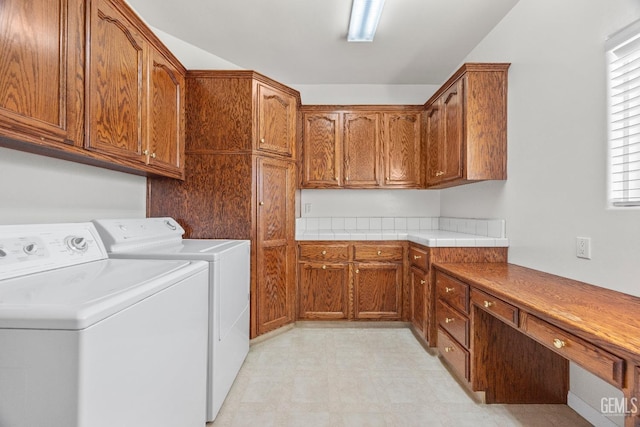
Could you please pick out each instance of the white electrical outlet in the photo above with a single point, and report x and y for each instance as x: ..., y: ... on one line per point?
x: 583, y: 247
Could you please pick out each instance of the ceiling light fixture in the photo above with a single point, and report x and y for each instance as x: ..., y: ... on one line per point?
x: 365, y: 15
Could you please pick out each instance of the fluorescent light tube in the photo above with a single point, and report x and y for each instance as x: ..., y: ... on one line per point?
x: 365, y: 15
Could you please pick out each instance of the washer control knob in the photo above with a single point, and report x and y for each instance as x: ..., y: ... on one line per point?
x: 30, y: 249
x: 77, y: 243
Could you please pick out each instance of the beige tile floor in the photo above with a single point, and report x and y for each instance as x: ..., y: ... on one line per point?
x: 353, y: 377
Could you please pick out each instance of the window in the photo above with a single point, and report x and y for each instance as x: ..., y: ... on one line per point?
x: 623, y: 61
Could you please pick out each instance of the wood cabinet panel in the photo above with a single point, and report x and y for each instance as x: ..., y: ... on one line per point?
x: 502, y: 310
x: 322, y: 150
x: 419, y: 257
x: 377, y: 290
x: 418, y: 281
x: 276, y: 121
x: 324, y: 291
x: 456, y: 324
x: 325, y: 252
x: 378, y: 252
x: 166, y: 114
x: 361, y: 148
x: 402, y: 149
x: 465, y: 123
x: 41, y: 75
x: 115, y: 84
x: 456, y: 355
x: 604, y: 364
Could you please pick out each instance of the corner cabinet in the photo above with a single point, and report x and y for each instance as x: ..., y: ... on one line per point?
x: 87, y: 81
x: 134, y: 94
x: 240, y: 181
x: 465, y: 127
x: 361, y: 147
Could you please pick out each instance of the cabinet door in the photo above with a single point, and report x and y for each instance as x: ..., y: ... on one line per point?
x: 165, y: 114
x: 115, y: 90
x: 451, y: 153
x: 434, y: 139
x: 419, y: 286
x: 361, y: 149
x: 323, y: 291
x: 275, y: 262
x: 377, y: 290
x: 276, y: 121
x: 401, y: 149
x: 322, y: 150
x: 41, y: 76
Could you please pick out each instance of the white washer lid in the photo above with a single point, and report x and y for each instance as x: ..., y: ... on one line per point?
x: 76, y: 297
x: 187, y: 249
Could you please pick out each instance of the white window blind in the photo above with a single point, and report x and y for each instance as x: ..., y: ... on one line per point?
x: 623, y: 60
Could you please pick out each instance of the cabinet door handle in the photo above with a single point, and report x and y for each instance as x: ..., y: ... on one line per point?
x: 417, y: 256
x: 448, y: 349
x: 261, y: 203
x: 558, y: 343
x: 448, y: 319
x: 488, y: 304
x: 379, y: 253
x: 346, y: 179
x: 357, y: 270
x: 324, y: 267
x: 262, y: 140
x: 324, y: 252
x: 449, y: 290
x: 153, y: 155
x: 422, y: 282
x: 145, y: 152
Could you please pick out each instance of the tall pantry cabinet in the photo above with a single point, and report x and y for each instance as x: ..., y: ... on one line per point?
x: 240, y: 180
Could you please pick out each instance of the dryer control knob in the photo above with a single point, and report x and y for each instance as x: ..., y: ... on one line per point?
x: 77, y: 243
x: 30, y: 249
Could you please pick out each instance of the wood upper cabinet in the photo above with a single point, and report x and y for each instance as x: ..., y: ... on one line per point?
x: 165, y: 113
x: 361, y: 147
x: 41, y: 75
x: 402, y: 154
x: 134, y: 93
x: 117, y: 69
x: 276, y: 121
x: 322, y: 150
x: 465, y: 127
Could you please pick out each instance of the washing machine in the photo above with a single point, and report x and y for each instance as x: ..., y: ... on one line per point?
x: 88, y: 341
x: 229, y: 279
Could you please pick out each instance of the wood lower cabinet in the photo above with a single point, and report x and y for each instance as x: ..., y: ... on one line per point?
x: 361, y: 147
x: 235, y: 190
x: 466, y: 127
x: 419, y: 288
x: 41, y: 75
x: 347, y: 280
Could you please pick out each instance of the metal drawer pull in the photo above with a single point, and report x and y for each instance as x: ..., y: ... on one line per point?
x: 324, y: 252
x: 379, y: 252
x: 558, y: 343
x: 417, y: 256
x: 449, y: 319
x: 357, y: 271
x: 488, y: 304
x: 448, y: 290
x: 262, y: 140
x: 324, y: 267
x: 422, y: 282
x: 448, y: 349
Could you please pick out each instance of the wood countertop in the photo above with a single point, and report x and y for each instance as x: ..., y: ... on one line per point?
x: 602, y: 316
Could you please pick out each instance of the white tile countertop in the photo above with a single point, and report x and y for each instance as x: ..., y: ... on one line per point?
x: 432, y: 232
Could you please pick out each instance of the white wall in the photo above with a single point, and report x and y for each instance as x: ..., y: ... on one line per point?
x: 557, y: 150
x: 37, y: 189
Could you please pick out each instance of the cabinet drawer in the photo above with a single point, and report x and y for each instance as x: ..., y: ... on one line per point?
x: 452, y: 291
x: 453, y: 322
x: 378, y: 253
x: 324, y: 252
x: 495, y: 306
x: 456, y: 356
x: 419, y: 257
x: 602, y: 363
